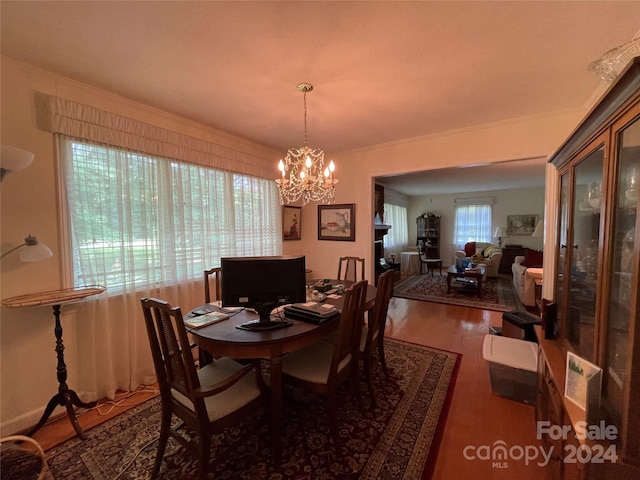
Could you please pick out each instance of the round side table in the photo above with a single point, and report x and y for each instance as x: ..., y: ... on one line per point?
x: 65, y: 397
x: 410, y: 262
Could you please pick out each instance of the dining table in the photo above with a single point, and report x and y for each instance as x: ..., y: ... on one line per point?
x: 223, y: 338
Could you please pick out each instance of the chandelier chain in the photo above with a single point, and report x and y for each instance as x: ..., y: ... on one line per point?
x: 305, y: 118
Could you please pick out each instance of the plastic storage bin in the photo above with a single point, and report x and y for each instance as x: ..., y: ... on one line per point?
x: 513, y: 366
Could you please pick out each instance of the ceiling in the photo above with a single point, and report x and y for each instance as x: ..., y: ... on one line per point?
x: 382, y: 71
x: 478, y: 178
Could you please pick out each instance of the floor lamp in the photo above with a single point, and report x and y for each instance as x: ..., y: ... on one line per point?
x: 33, y: 251
x: 12, y: 159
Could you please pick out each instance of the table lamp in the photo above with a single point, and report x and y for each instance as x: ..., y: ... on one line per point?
x: 500, y: 233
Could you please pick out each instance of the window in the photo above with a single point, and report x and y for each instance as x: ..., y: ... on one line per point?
x: 139, y: 221
x: 397, y: 239
x: 473, y: 221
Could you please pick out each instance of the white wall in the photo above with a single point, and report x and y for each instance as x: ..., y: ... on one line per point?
x: 505, y: 202
x: 29, y: 205
x: 536, y: 136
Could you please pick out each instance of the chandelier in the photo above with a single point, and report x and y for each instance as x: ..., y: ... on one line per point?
x: 611, y: 63
x: 303, y: 172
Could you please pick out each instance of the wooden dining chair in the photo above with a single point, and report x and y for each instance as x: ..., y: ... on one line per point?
x: 208, y: 274
x: 322, y: 366
x: 208, y: 400
x: 350, y: 267
x: 372, y: 336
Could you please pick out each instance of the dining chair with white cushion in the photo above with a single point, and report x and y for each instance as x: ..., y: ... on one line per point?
x: 323, y: 366
x: 210, y: 399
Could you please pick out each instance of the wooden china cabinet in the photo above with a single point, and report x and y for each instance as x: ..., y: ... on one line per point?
x: 428, y: 228
x: 597, y: 290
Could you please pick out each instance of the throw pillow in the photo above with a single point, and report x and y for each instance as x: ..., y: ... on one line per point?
x: 490, y: 251
x: 469, y: 249
x: 532, y: 258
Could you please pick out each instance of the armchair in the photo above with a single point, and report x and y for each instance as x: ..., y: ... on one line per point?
x: 524, y: 280
x: 491, y: 255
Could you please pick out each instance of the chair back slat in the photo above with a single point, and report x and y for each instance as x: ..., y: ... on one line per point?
x: 170, y: 348
x: 348, y: 269
x: 208, y: 274
x: 350, y: 324
x: 378, y: 314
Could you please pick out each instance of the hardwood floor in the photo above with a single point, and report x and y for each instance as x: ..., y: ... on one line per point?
x: 476, y: 418
x: 59, y: 429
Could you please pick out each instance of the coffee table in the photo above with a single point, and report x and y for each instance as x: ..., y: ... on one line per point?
x: 475, y: 275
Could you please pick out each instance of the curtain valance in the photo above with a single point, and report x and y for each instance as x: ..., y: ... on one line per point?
x: 89, y: 123
x: 396, y: 198
x: 474, y: 201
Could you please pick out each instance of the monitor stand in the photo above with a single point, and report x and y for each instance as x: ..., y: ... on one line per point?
x: 266, y: 320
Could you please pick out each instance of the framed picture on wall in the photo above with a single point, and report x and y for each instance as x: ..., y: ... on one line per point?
x: 291, y: 223
x: 521, y: 224
x: 337, y: 222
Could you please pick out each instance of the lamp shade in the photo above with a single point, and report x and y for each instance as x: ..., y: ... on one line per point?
x: 500, y: 232
x: 31, y: 250
x: 34, y: 251
x: 14, y: 158
x: 539, y: 230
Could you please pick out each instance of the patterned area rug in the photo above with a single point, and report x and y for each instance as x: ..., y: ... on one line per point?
x: 396, y: 440
x: 497, y: 293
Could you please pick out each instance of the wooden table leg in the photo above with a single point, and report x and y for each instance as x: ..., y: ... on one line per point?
x: 276, y: 409
x: 449, y: 276
x: 65, y: 397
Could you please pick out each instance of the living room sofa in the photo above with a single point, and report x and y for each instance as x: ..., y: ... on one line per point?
x: 524, y: 280
x: 491, y: 255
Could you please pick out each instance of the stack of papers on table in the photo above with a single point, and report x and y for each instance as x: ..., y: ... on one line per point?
x: 204, y: 320
x: 311, y: 311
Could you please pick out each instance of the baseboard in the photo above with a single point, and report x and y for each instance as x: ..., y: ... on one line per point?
x: 22, y: 423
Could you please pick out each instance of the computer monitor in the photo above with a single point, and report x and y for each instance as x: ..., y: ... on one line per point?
x: 263, y: 283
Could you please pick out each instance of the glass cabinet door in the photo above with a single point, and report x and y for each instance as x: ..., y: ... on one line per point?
x: 562, y: 251
x: 624, y: 268
x: 421, y: 223
x: 581, y: 279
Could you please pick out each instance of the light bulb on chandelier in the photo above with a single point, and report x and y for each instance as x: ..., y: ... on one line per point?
x: 303, y: 174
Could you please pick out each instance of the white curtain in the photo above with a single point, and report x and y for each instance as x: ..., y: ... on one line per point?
x: 472, y: 222
x: 397, y: 239
x: 144, y: 225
